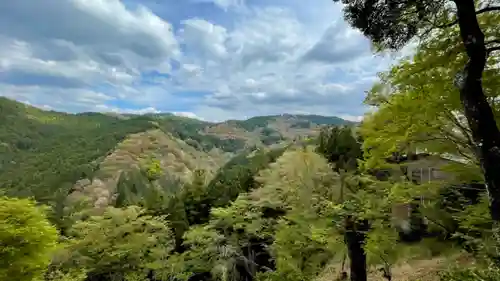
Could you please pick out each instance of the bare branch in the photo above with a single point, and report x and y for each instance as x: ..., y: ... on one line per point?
x: 493, y: 49
x: 466, y: 132
x: 497, y: 41
x: 483, y: 10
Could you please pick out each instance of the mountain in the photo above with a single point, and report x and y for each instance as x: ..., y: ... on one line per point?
x: 48, y: 154
x: 267, y: 130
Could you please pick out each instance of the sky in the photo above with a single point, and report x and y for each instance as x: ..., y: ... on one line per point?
x: 209, y: 59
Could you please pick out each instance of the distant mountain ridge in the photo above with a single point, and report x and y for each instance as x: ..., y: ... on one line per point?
x: 45, y: 153
x: 313, y: 118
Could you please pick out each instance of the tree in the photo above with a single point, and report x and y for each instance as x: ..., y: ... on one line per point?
x: 27, y: 239
x: 119, y: 244
x: 303, y: 185
x: 283, y: 228
x: 339, y: 146
x: 401, y: 126
x: 392, y: 23
x: 232, y: 246
x: 417, y: 111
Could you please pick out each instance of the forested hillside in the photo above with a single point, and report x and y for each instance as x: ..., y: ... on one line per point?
x: 44, y: 153
x: 42, y: 150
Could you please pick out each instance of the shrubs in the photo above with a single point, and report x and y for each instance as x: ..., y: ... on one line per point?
x: 27, y: 240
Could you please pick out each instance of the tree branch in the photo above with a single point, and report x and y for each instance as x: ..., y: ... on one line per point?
x: 497, y: 41
x: 493, y: 49
x: 483, y: 10
x: 438, y: 224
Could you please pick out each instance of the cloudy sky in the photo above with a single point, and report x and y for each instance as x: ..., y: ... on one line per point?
x: 214, y: 59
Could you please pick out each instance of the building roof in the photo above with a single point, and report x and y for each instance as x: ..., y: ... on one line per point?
x: 418, y: 156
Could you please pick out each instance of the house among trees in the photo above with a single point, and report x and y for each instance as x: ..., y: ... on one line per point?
x: 424, y: 168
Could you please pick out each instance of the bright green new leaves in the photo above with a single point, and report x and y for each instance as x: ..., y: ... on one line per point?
x: 121, y: 242
x: 217, y: 246
x: 304, y: 184
x: 153, y: 169
x: 418, y: 106
x: 300, y: 180
x: 210, y: 251
x: 288, y: 216
x: 70, y: 275
x: 27, y: 239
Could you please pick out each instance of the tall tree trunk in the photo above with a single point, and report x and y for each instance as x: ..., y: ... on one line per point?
x: 355, y: 236
x: 476, y: 107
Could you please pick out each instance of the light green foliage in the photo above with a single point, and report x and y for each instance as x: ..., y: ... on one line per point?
x: 217, y: 246
x: 120, y: 242
x: 288, y: 214
x: 302, y: 179
x: 304, y: 247
x: 153, y: 169
x: 424, y: 82
x: 71, y: 275
x: 475, y: 217
x: 419, y: 108
x: 27, y: 239
x: 476, y: 230
x: 245, y: 214
x: 195, y: 198
x: 209, y: 251
x: 302, y: 183
x: 382, y: 245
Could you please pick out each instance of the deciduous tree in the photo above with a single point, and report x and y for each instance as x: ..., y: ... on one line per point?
x: 393, y: 23
x: 27, y: 240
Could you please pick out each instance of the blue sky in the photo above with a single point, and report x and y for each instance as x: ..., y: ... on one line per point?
x: 211, y: 59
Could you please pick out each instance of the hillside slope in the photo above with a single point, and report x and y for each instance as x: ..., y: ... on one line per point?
x: 148, y: 153
x: 40, y: 151
x: 44, y: 153
x: 267, y: 130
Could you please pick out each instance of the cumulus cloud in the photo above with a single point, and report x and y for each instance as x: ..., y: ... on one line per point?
x: 255, y: 59
x: 102, y: 28
x: 257, y: 63
x: 77, y: 100
x: 78, y: 43
x: 112, y: 109
x: 188, y: 114
x: 203, y: 38
x: 338, y: 44
x: 224, y: 4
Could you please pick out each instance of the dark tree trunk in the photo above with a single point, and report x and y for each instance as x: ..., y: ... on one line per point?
x: 476, y: 107
x: 355, y: 236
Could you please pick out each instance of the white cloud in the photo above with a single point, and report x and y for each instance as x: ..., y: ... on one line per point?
x: 83, y: 41
x: 74, y: 100
x: 206, y: 38
x: 270, y: 58
x: 81, y: 55
x: 105, y: 108
x: 225, y: 4
x: 351, y: 117
x: 187, y: 114
x: 21, y: 66
x: 338, y: 44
